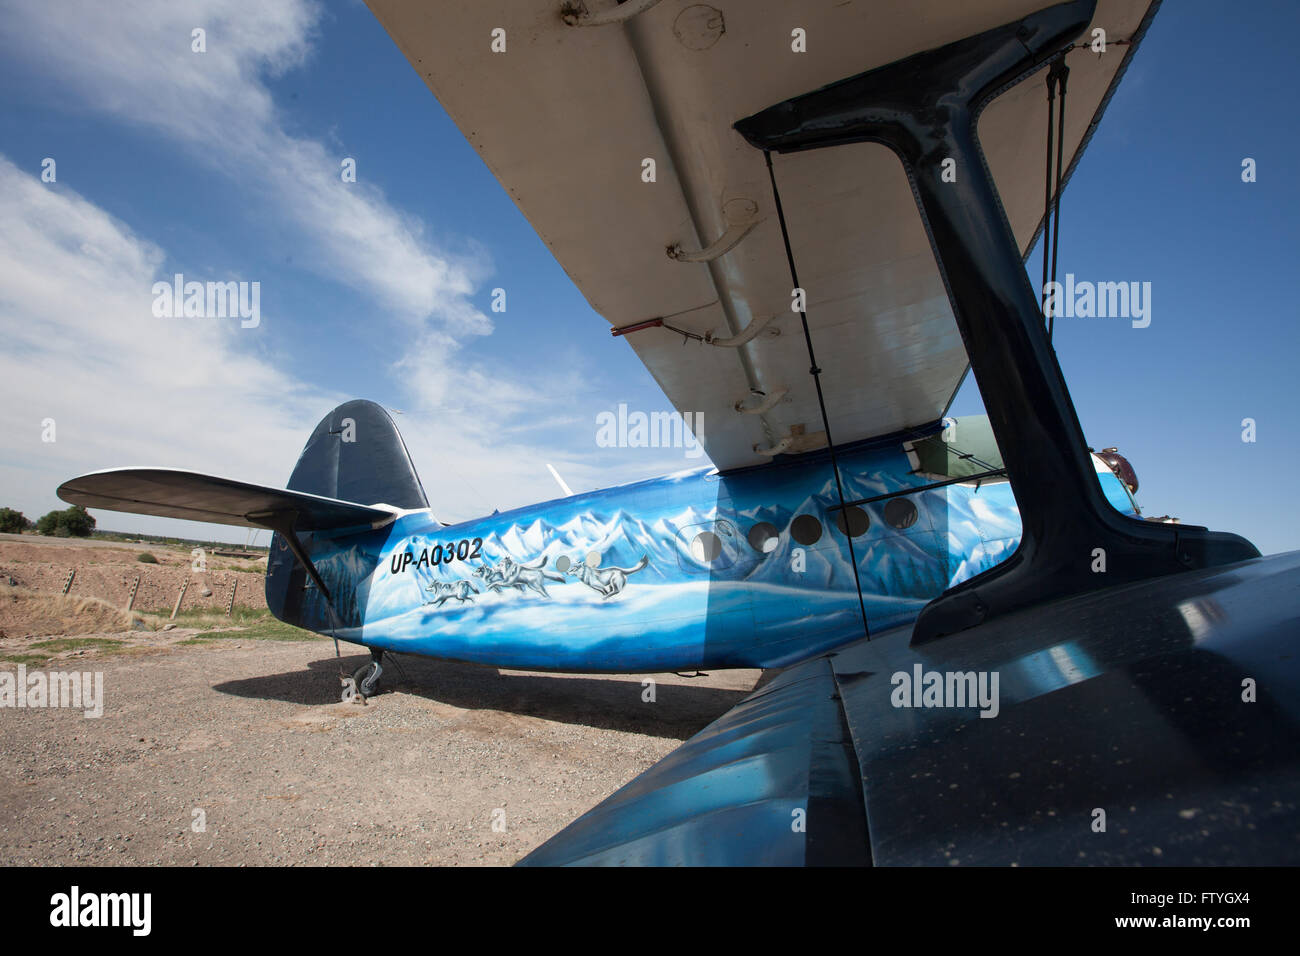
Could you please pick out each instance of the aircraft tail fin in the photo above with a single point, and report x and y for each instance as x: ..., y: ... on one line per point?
x: 354, y: 473
x: 355, y: 463
x: 355, y: 453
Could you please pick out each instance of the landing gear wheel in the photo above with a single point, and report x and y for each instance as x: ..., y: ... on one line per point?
x: 366, y: 677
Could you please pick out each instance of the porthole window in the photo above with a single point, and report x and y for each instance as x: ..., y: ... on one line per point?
x: 900, y: 513
x: 706, y: 547
x: 857, y: 524
x: 806, y: 529
x: 763, y: 537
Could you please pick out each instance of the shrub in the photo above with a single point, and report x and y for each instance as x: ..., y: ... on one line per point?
x: 71, y: 522
x: 13, y: 522
x: 144, y: 557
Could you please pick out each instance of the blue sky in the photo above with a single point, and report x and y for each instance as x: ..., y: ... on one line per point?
x: 1158, y: 197
x: 226, y: 166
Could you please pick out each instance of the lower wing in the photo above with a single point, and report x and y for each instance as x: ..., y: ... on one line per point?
x: 999, y: 745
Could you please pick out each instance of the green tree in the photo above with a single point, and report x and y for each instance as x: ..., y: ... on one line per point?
x: 13, y: 522
x: 79, y: 522
x: 74, y: 522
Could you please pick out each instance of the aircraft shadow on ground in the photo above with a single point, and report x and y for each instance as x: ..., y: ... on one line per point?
x: 679, y: 711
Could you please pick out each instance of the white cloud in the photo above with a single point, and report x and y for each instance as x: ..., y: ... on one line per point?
x: 84, y: 349
x: 135, y: 62
x: 124, y: 388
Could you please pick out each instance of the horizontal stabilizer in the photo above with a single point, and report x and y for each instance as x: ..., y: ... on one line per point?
x: 170, y: 493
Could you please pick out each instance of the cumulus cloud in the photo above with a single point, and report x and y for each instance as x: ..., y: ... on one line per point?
x: 127, y: 388
x: 122, y: 387
x: 136, y: 62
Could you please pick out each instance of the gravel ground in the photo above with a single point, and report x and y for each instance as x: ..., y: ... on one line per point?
x: 250, y: 735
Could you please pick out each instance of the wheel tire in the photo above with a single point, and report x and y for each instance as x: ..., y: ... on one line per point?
x: 359, y: 677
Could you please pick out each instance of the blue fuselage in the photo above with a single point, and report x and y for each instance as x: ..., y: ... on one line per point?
x: 691, y: 570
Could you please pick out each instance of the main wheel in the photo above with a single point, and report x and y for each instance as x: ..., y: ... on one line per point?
x: 366, y: 678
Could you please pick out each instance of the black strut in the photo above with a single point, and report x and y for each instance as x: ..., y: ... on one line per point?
x: 924, y: 108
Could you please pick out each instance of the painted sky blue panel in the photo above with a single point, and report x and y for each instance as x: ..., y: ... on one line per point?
x: 618, y: 579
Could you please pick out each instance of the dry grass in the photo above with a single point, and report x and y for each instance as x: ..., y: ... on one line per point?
x: 269, y: 629
x: 25, y: 613
x: 26, y: 616
x: 206, y: 618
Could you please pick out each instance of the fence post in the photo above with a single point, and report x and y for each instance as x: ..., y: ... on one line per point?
x: 180, y: 597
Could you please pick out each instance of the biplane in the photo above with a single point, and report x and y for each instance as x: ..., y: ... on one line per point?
x: 811, y: 221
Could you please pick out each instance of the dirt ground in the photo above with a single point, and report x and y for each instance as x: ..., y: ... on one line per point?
x: 107, y: 569
x: 237, y: 751
x: 249, y: 735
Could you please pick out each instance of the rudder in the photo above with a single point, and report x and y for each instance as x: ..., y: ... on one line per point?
x: 354, y: 454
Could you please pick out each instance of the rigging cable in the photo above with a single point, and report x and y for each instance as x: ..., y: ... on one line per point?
x: 1057, y: 74
x: 816, y: 372
x: 1047, y: 184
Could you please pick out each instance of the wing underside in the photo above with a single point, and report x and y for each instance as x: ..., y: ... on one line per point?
x: 567, y: 117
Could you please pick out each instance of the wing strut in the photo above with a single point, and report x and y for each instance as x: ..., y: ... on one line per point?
x: 816, y: 373
x: 925, y: 109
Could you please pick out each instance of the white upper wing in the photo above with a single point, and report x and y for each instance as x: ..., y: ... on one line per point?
x: 566, y: 116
